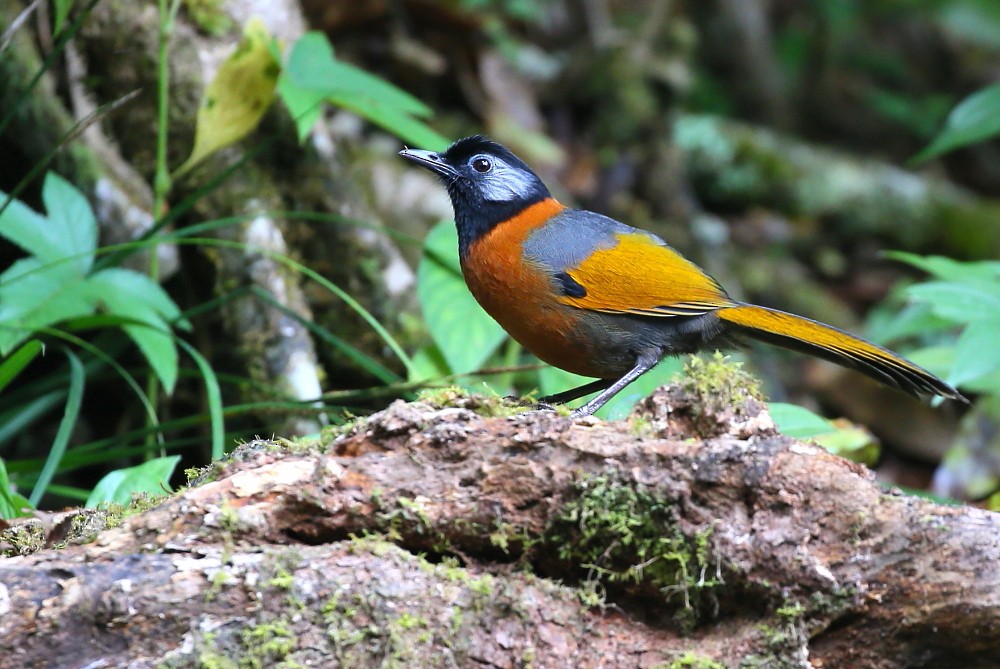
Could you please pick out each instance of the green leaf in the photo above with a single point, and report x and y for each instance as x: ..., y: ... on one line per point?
x: 305, y: 105
x: 312, y: 72
x: 959, y: 302
x: 405, y: 127
x: 238, y: 96
x: 621, y: 405
x: 948, y: 269
x: 72, y: 226
x: 466, y: 335
x: 135, y: 296
x: 885, y: 324
x: 18, y: 360
x: 976, y: 351
x: 428, y: 364
x: 840, y: 438
x: 74, y: 399
x: 213, y: 396
x: 552, y: 380
x: 312, y: 65
x: 974, y: 119
x: 34, y: 296
x: 25, y: 227
x: 798, y: 422
x: 70, y: 231
x: 935, y: 359
x: 973, y: 23
x: 152, y: 477
x: 62, y: 12
x: 12, y: 504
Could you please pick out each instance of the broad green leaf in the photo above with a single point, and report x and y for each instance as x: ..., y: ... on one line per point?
x: 25, y: 227
x: 886, y: 324
x: 428, y: 364
x: 34, y: 296
x: 552, y: 380
x: 935, y: 359
x: 799, y: 422
x: 960, y: 302
x: 974, y: 119
x: 68, y: 235
x: 137, y: 297
x: 405, y: 127
x: 977, y: 352
x: 988, y: 384
x: 839, y: 437
x: 72, y: 226
x: 466, y: 335
x: 150, y: 477
x: 975, y: 23
x: 312, y: 70
x: 305, y: 105
x: 18, y: 360
x: 948, y: 269
x: 312, y: 65
x: 238, y: 96
x: 621, y: 404
x: 12, y: 504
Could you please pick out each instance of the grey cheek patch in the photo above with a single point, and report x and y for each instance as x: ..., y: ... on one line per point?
x: 505, y: 183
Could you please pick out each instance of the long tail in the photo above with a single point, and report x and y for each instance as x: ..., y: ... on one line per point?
x: 808, y: 336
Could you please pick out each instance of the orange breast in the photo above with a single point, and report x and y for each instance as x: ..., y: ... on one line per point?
x: 520, y: 296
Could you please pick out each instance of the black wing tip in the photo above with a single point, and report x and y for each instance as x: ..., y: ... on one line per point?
x: 928, y: 385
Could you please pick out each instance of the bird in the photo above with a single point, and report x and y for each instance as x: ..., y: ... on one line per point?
x: 593, y: 296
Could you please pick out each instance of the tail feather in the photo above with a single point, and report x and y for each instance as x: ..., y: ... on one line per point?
x: 808, y: 336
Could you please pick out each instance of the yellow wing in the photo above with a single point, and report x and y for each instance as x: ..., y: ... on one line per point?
x: 641, y: 275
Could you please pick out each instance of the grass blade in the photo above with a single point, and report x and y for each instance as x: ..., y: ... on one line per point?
x: 18, y: 360
x: 71, y: 413
x: 214, y: 398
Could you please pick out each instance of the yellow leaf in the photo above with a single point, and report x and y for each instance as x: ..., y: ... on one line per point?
x: 237, y: 98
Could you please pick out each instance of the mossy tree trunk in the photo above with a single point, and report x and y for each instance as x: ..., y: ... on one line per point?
x: 432, y: 536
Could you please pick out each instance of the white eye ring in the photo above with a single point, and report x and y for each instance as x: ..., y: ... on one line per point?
x: 481, y: 165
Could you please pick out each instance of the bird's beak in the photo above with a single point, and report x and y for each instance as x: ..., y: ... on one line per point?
x: 430, y: 160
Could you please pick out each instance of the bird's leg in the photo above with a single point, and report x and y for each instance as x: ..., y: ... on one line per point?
x: 642, y: 365
x: 574, y: 393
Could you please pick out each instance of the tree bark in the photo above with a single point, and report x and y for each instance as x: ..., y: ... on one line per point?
x: 432, y: 536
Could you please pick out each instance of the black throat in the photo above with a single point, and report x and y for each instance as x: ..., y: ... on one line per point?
x: 475, y: 216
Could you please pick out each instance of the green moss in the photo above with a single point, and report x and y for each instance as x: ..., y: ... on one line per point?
x: 229, y: 520
x: 690, y: 660
x: 283, y: 579
x: 219, y: 579
x: 720, y: 382
x: 482, y: 585
x: 783, y: 641
x: 487, y: 406
x: 24, y: 538
x: 208, y: 658
x: 623, y: 533
x: 30, y: 536
x: 266, y: 644
x: 444, y: 397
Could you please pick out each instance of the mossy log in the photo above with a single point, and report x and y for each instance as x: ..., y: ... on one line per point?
x: 735, y: 165
x: 433, y: 536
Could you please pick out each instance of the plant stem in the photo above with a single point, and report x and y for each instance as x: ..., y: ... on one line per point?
x: 161, y: 181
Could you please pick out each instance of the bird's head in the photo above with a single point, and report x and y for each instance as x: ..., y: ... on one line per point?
x: 486, y: 182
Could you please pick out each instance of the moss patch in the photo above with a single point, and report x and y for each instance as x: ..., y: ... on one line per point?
x: 624, y: 534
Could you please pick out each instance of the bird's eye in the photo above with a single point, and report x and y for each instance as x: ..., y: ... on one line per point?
x: 482, y: 165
